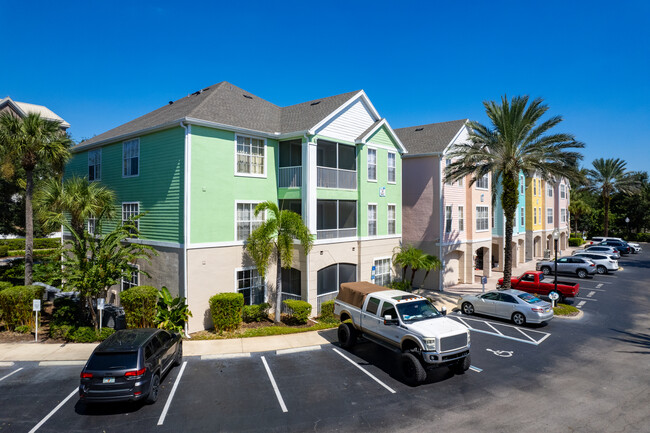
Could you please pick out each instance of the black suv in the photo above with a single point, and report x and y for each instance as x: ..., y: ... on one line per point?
x: 129, y: 365
x: 622, y: 247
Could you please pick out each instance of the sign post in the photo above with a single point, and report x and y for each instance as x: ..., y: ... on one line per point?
x: 36, y: 307
x: 100, y: 307
x: 554, y: 297
x: 483, y: 282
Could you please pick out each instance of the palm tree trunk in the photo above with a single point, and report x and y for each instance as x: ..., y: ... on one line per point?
x: 509, y: 202
x: 413, y: 270
x: 278, y: 289
x: 606, y: 216
x: 29, y: 227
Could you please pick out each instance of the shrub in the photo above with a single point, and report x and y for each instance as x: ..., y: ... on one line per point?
x: 83, y: 334
x: 643, y: 237
x: 400, y: 285
x: 23, y: 329
x: 327, y: 310
x: 39, y: 243
x: 104, y: 333
x: 140, y: 306
x: 16, y: 305
x: 61, y: 331
x: 67, y: 312
x: 255, y: 313
x: 38, y: 254
x: 4, y: 250
x: 226, y: 310
x: 575, y: 242
x: 172, y: 312
x: 5, y: 285
x: 300, y: 310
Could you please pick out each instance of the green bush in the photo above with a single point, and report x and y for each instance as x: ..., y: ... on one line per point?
x: 16, y: 305
x: 140, y: 306
x: 38, y: 254
x: 39, y: 243
x: 642, y: 237
x: 172, y: 312
x: 327, y: 310
x: 5, y: 285
x: 400, y: 285
x: 255, y: 313
x: 61, y: 331
x: 575, y: 242
x: 4, y: 250
x: 104, y: 333
x: 67, y: 312
x: 300, y: 310
x: 83, y: 334
x: 24, y: 329
x: 226, y: 311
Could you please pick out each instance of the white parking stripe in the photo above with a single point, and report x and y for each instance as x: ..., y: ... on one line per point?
x: 49, y: 415
x: 498, y: 333
x: 599, y: 286
x: 275, y: 386
x: 7, y: 375
x: 587, y: 299
x: 297, y: 350
x: 532, y: 339
x: 367, y: 372
x: 226, y: 356
x: 161, y: 420
x: 590, y: 294
x: 476, y: 369
x: 495, y: 329
x: 580, y: 304
x: 60, y: 363
x: 6, y: 364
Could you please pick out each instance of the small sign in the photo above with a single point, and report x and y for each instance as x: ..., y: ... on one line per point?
x: 554, y: 296
x: 483, y: 280
x: 100, y: 303
x: 382, y: 191
x: 36, y: 305
x: 372, y: 273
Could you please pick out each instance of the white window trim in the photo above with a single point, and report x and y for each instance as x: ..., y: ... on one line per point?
x: 255, y: 202
x: 123, y: 220
x: 99, y: 151
x: 94, y: 220
x: 122, y: 279
x: 459, y: 207
x: 488, y: 219
x: 251, y: 268
x: 487, y: 177
x: 547, y: 215
x: 522, y: 217
x: 388, y: 169
x: 450, y: 219
x: 368, y: 164
x: 387, y: 220
x: 261, y: 176
x: 390, y: 266
x: 123, y: 145
x: 376, y: 218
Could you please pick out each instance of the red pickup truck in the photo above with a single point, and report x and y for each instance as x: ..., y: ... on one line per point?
x: 537, y: 283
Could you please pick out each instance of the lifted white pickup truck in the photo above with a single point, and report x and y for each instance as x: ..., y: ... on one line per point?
x: 403, y: 322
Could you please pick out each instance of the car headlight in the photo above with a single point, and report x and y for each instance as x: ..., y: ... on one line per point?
x: 430, y: 343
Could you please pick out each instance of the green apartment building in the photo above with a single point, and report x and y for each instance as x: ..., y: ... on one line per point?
x: 199, y: 165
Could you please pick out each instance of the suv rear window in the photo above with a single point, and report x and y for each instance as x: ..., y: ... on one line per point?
x: 113, y: 361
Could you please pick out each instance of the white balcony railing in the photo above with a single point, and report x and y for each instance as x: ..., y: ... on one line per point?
x: 290, y: 177
x: 337, y: 233
x: 336, y: 178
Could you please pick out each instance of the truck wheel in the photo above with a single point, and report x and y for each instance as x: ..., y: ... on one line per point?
x: 412, y: 369
x: 601, y: 270
x: 582, y: 273
x: 468, y: 308
x: 519, y: 319
x: 462, y: 366
x: 546, y: 270
x: 347, y: 335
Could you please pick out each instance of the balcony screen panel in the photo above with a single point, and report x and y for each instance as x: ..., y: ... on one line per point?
x: 347, y: 157
x: 347, y: 214
x: 347, y: 273
x: 290, y: 153
x: 292, y: 205
x: 326, y: 154
x: 326, y: 215
x: 327, y: 281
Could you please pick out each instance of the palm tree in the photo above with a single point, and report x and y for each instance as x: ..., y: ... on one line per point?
x: 578, y: 207
x: 609, y: 177
x: 31, y: 142
x: 406, y: 256
x: 430, y: 263
x: 276, y: 235
x: 514, y: 142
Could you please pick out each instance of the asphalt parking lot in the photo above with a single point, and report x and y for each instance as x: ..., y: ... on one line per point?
x: 569, y: 375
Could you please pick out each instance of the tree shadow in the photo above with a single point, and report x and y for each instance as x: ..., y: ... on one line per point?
x: 638, y: 339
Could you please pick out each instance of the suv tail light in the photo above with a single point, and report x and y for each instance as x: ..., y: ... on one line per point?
x: 592, y: 264
x: 135, y: 373
x: 85, y: 375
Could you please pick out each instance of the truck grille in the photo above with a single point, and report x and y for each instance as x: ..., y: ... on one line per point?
x: 453, y: 342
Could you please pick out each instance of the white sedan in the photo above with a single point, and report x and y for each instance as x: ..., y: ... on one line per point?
x: 515, y: 305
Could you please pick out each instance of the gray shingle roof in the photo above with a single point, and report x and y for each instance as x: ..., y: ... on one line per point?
x: 430, y: 138
x: 229, y: 105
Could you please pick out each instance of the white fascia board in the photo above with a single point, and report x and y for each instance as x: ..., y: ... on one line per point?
x: 216, y: 125
x: 362, y: 95
x: 13, y: 105
x: 383, y: 122
x: 453, y: 140
x: 423, y: 155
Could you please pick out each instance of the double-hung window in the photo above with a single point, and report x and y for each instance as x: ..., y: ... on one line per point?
x: 382, y: 272
x: 563, y: 215
x: 131, y: 158
x: 251, y: 285
x: 461, y: 219
x: 448, y: 215
x: 372, y: 164
x: 562, y: 191
x: 134, y: 279
x: 129, y: 211
x: 92, y: 225
x: 534, y: 186
x: 549, y: 215
x: 521, y: 215
x: 392, y: 158
x: 391, y: 219
x: 549, y: 189
x: 372, y: 220
x: 95, y: 164
x: 447, y: 164
x: 482, y: 182
x: 482, y: 218
x: 246, y: 220
x: 251, y: 156
x: 522, y: 184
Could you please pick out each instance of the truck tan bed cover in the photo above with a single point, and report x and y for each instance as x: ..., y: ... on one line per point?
x: 355, y: 293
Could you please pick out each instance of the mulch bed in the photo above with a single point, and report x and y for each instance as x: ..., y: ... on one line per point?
x: 43, y: 330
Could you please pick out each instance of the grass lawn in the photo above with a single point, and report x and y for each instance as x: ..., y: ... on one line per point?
x: 565, y: 310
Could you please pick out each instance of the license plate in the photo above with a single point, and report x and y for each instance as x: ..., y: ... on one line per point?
x: 109, y: 380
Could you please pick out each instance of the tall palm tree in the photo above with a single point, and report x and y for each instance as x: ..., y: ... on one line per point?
x: 608, y: 177
x: 515, y: 141
x: 578, y: 207
x: 406, y: 256
x: 275, y: 236
x: 31, y: 142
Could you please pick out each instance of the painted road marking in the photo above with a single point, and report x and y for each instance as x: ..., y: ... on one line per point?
x: 476, y: 369
x: 587, y: 299
x: 60, y: 363
x: 501, y: 353
x: 49, y: 415
x: 297, y: 350
x: 7, y: 375
x: 226, y: 356
x: 6, y: 364
x: 590, y: 294
x: 599, y: 286
x: 528, y: 333
x: 275, y: 386
x: 580, y: 304
x: 366, y: 372
x: 161, y: 420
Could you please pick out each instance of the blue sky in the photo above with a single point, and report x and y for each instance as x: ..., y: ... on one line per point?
x: 100, y: 64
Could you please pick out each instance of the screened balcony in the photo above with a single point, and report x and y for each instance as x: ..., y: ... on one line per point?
x: 336, y: 165
x: 336, y: 219
x: 290, y: 167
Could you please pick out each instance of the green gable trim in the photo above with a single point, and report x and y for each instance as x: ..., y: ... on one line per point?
x: 383, y: 137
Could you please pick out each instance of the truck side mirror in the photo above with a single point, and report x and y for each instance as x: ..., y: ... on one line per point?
x: 388, y: 320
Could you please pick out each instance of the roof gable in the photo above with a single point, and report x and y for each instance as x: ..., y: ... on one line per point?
x: 22, y: 109
x: 381, y: 133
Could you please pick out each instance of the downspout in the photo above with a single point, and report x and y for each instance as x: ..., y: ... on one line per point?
x: 440, y: 228
x: 186, y: 208
x: 306, y: 197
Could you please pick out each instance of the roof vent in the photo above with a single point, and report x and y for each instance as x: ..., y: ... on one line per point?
x: 315, y: 103
x: 207, y: 88
x: 248, y: 96
x: 171, y: 102
x: 198, y: 92
x: 419, y: 129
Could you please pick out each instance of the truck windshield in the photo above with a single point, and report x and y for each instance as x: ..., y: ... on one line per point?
x: 527, y: 297
x: 416, y: 311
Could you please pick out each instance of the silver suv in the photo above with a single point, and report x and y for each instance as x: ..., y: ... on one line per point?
x: 604, y: 264
x: 568, y: 265
x: 597, y: 249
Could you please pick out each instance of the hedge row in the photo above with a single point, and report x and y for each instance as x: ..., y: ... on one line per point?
x: 576, y: 242
x: 140, y: 305
x: 639, y: 237
x: 37, y: 253
x: 39, y: 243
x: 300, y: 310
x: 226, y: 310
x: 4, y: 250
x: 16, y: 305
x: 82, y: 334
